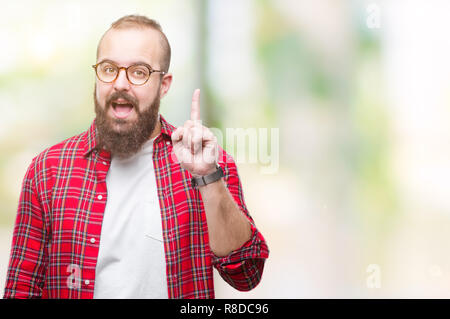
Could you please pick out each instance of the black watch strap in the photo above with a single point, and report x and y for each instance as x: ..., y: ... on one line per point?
x: 207, y: 179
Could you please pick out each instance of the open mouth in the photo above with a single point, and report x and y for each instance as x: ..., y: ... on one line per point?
x: 121, y: 109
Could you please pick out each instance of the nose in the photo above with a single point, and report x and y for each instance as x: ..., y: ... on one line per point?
x: 121, y: 83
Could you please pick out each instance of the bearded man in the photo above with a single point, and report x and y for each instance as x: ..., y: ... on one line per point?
x: 133, y: 207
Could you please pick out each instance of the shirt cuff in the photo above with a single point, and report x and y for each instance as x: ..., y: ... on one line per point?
x: 254, y: 248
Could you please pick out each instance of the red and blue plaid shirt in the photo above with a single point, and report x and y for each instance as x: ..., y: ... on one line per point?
x: 59, y: 219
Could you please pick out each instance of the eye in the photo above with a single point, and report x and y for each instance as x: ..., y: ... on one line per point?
x: 139, y: 71
x: 108, y: 68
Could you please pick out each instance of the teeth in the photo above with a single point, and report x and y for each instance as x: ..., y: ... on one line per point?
x: 122, y: 103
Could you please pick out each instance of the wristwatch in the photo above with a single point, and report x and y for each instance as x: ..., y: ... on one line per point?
x: 207, y: 179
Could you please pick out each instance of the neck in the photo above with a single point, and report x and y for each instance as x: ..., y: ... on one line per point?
x: 157, y: 129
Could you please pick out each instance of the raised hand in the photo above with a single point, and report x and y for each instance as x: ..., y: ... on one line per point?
x: 194, y: 145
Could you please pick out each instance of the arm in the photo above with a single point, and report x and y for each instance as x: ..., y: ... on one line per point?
x: 242, y: 268
x: 25, y: 275
x: 228, y: 228
x: 238, y: 250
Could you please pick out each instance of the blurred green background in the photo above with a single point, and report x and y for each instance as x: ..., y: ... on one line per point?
x: 357, y: 89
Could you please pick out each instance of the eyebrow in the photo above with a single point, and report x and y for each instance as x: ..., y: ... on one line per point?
x: 135, y: 63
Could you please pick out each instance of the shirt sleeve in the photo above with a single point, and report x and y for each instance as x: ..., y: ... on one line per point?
x: 243, y: 267
x: 25, y: 276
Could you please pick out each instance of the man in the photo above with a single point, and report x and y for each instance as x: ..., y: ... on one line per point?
x: 133, y: 208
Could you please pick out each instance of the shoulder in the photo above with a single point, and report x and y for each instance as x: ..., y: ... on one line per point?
x: 65, y: 151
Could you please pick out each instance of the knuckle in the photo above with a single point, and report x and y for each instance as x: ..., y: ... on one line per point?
x: 196, y: 139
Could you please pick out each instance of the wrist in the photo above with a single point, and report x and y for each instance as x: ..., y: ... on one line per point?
x: 203, y: 180
x: 207, y: 171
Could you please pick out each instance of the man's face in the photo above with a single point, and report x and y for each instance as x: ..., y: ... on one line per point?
x: 127, y: 114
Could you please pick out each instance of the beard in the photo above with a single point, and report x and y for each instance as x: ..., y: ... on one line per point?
x: 128, y: 139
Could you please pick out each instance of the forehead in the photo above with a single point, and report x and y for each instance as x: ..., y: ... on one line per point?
x: 130, y: 45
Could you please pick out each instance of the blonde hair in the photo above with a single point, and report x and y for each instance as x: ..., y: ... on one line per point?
x: 139, y: 21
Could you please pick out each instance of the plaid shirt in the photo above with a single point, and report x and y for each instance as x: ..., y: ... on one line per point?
x: 57, y: 230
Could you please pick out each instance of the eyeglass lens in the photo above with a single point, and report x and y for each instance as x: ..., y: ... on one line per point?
x: 137, y: 74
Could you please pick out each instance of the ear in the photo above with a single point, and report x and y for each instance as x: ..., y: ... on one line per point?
x: 165, y: 84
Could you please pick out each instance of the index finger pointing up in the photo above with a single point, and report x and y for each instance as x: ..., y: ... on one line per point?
x: 195, y: 107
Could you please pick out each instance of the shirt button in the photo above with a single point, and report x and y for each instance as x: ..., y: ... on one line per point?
x: 104, y: 163
x: 87, y: 282
x: 100, y: 197
x: 93, y: 240
x: 168, y: 143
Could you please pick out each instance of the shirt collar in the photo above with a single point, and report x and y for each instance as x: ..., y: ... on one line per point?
x: 90, y: 141
x: 166, y: 129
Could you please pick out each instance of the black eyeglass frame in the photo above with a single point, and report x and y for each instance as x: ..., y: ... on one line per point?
x: 150, y: 69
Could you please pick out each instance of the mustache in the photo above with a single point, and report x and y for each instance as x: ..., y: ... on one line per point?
x: 122, y: 95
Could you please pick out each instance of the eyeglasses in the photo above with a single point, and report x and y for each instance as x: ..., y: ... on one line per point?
x: 137, y: 74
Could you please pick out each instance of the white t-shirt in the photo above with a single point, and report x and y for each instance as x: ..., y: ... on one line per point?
x: 131, y: 261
